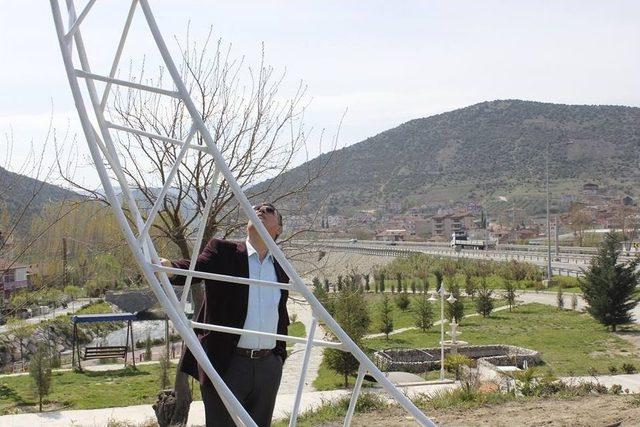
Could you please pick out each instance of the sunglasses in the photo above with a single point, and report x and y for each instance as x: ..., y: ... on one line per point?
x: 264, y: 208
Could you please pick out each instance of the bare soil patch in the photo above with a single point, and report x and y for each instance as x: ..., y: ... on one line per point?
x: 599, y: 411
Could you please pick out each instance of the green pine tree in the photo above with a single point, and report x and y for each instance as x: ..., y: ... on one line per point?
x: 386, y: 317
x: 510, y: 293
x: 423, y: 312
x: 609, y: 287
x: 350, y: 311
x: 455, y: 310
x: 484, y: 301
x: 40, y: 372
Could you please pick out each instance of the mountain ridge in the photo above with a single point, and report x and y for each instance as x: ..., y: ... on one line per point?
x: 475, y: 152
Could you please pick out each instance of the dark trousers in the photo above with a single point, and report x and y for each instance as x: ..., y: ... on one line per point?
x: 255, y: 384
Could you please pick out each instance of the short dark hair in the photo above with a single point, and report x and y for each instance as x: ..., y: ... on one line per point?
x: 279, y: 215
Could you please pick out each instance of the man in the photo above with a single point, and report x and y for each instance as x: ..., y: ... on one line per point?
x: 250, y: 366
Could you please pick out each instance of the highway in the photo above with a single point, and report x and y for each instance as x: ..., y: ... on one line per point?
x: 566, y: 263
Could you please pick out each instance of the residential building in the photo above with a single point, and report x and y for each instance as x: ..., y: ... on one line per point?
x: 392, y: 235
x: 590, y: 189
x: 444, y: 225
x: 13, y: 276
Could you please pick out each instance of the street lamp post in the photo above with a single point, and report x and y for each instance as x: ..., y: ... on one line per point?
x: 548, y: 221
x: 451, y: 300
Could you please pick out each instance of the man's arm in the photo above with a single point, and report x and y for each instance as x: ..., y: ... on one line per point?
x: 205, y: 262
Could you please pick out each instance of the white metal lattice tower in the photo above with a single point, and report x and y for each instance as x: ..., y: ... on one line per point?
x: 97, y: 129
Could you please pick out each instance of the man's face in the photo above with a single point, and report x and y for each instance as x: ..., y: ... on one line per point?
x: 270, y: 218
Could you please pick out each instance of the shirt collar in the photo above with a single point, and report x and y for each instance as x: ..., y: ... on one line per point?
x: 252, y: 251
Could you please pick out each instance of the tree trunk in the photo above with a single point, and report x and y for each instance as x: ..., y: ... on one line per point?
x: 172, y: 406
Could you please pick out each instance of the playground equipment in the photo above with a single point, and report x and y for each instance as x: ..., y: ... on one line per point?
x: 97, y: 129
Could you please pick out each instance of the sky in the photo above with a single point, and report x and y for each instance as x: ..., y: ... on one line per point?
x: 383, y: 62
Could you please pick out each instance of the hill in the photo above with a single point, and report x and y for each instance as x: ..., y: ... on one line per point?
x: 20, y: 191
x: 480, y: 152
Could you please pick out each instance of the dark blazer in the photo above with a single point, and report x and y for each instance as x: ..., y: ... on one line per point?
x: 226, y: 304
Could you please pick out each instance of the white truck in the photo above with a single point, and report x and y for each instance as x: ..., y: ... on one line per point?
x: 460, y: 239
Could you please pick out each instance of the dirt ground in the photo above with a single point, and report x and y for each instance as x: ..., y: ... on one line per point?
x: 594, y: 411
x: 332, y: 264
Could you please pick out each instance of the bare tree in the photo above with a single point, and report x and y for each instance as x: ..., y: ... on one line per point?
x: 258, y: 131
x: 25, y: 190
x: 579, y: 221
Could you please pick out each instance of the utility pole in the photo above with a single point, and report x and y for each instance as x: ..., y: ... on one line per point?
x: 548, y: 221
x: 556, y: 235
x: 64, y: 262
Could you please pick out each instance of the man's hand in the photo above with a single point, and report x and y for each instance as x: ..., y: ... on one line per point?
x: 165, y: 263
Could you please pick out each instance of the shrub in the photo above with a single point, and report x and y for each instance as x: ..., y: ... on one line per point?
x: 455, y: 362
x: 331, y: 410
x: 402, y: 301
x: 612, y: 369
x: 589, y: 388
x: 615, y: 389
x: 628, y: 368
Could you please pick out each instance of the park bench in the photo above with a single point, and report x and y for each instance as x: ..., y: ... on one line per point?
x: 106, y: 352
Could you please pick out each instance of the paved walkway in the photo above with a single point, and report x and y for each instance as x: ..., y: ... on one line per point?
x: 59, y: 311
x: 142, y: 413
x: 293, y: 366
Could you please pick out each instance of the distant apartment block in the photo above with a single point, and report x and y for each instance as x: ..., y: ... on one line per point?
x: 398, y: 235
x: 443, y: 225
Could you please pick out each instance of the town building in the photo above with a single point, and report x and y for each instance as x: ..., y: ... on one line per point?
x: 13, y: 276
x: 444, y: 225
x: 392, y: 235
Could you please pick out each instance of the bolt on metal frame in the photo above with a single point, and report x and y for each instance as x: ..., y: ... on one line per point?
x: 105, y: 158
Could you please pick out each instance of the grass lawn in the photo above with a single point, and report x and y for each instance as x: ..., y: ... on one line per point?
x: 296, y: 329
x: 406, y: 319
x: 570, y: 343
x: 89, y: 390
x: 86, y: 390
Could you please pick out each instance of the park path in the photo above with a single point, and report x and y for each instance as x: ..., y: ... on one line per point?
x: 293, y: 365
x: 436, y: 323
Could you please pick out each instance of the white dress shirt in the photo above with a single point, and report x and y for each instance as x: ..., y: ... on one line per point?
x: 262, y: 308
